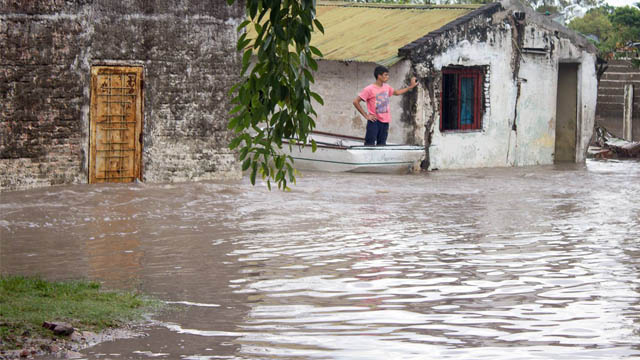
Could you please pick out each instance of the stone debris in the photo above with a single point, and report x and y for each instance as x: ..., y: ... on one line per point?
x: 60, y: 329
x: 68, y: 347
x: 608, y: 146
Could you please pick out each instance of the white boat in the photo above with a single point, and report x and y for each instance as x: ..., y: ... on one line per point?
x: 339, y: 153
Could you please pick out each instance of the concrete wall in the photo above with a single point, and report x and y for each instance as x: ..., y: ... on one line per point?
x: 187, y: 49
x: 610, y: 108
x: 340, y: 82
x: 494, y: 144
x: 519, y: 119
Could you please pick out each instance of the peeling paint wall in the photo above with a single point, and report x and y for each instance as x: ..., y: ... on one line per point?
x: 339, y: 83
x: 491, y: 146
x: 522, y: 59
x: 187, y: 49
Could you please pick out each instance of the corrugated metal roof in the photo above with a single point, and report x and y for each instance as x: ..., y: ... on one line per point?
x: 375, y: 32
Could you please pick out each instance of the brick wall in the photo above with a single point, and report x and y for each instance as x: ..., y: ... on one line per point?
x: 610, y: 108
x: 187, y: 50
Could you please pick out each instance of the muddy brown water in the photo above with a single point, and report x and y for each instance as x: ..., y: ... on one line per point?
x: 527, y: 263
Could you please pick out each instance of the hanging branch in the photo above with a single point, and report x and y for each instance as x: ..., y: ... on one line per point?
x: 273, y: 101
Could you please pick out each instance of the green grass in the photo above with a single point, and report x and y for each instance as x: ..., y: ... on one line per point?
x: 26, y: 302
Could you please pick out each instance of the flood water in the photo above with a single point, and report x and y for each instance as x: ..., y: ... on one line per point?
x: 526, y: 263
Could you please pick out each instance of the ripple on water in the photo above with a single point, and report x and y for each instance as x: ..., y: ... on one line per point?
x: 526, y: 263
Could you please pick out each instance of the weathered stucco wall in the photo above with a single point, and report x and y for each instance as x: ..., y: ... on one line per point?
x: 340, y: 82
x: 490, y: 146
x: 187, y: 49
x: 518, y: 123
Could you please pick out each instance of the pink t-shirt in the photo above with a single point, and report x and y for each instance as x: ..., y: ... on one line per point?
x: 377, y: 99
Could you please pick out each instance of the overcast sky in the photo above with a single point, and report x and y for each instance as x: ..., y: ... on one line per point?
x: 621, y: 2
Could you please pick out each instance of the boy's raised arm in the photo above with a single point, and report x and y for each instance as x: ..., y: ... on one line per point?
x: 410, y: 87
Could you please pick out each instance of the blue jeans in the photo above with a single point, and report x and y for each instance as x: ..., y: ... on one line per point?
x: 376, y: 133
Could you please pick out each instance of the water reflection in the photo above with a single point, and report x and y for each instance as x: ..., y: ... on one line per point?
x: 528, y: 263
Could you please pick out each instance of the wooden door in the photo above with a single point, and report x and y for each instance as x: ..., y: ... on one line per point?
x: 116, y: 124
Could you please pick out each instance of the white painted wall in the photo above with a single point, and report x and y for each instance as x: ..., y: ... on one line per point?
x: 340, y: 82
x: 497, y: 144
x: 494, y: 144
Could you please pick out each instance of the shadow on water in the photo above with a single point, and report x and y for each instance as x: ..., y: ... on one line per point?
x: 526, y: 263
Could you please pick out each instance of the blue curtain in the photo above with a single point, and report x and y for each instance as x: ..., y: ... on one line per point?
x: 466, y: 99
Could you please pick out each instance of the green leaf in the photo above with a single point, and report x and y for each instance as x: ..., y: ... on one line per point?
x: 279, y: 162
x: 246, y: 164
x: 244, y: 152
x: 252, y: 6
x: 317, y: 97
x: 230, y: 2
x: 274, y: 16
x: 232, y: 124
x: 234, y: 143
x: 234, y: 88
x: 313, y: 64
x: 254, y: 170
x: 239, y: 45
x: 316, y: 51
x: 236, y: 109
x: 246, y: 61
x: 314, y: 146
x: 319, y: 26
x: 243, y: 44
x: 243, y: 24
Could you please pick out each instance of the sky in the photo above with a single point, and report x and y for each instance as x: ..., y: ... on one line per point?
x: 621, y: 2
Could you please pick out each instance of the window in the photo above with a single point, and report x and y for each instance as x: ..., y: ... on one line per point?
x: 462, y: 103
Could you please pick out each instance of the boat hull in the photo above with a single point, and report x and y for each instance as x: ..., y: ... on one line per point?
x: 336, y: 154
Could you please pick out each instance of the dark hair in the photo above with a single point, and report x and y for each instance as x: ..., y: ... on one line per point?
x: 379, y: 71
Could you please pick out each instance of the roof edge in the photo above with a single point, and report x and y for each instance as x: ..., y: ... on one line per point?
x: 396, y: 6
x: 488, y: 9
x: 573, y: 36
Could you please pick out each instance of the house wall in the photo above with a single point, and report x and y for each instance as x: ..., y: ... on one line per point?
x: 522, y: 59
x: 610, y: 109
x: 568, y: 52
x: 187, y: 49
x: 339, y: 83
x: 493, y: 145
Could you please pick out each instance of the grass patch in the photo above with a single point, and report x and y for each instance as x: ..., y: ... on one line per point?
x: 26, y: 302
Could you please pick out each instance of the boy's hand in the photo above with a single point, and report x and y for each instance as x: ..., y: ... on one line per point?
x: 413, y: 82
x: 371, y: 117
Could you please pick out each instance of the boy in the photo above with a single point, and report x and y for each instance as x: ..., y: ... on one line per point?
x: 377, y: 97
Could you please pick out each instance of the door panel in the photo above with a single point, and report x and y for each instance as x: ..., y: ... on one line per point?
x: 116, y: 124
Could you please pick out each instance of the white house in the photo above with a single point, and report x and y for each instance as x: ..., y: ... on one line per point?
x: 500, y: 85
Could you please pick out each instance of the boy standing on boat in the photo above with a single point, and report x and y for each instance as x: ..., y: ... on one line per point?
x: 377, y: 97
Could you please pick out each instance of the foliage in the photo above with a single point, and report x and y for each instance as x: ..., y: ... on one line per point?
x: 627, y: 21
x: 614, y: 27
x: 26, y: 302
x: 596, y: 22
x: 273, y: 101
